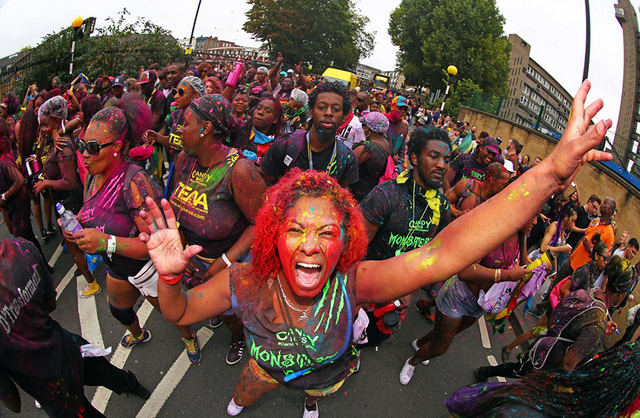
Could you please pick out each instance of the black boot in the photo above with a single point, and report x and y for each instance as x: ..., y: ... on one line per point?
x: 138, y: 390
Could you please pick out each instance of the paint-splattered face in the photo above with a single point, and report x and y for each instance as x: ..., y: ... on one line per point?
x: 190, y: 131
x: 49, y: 125
x: 432, y: 163
x: 100, y: 132
x: 240, y: 103
x: 264, y: 116
x: 327, y: 113
x: 485, y: 155
x: 498, y: 185
x: 185, y: 94
x: 310, y: 242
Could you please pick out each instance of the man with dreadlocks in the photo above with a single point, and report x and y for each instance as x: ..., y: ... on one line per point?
x: 576, y: 327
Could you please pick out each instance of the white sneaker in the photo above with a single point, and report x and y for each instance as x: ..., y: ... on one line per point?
x: 407, y: 372
x: 310, y: 414
x: 233, y: 409
x: 414, y: 344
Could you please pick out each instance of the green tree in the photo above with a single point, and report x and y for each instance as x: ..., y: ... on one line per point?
x: 461, y: 92
x: 433, y: 34
x: 117, y: 47
x: 322, y: 33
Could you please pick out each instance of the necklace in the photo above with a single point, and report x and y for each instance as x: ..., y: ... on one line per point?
x: 310, y: 156
x: 416, y: 225
x: 304, y: 317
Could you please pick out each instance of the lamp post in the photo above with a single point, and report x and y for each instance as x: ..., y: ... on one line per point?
x: 77, y: 23
x: 188, y: 51
x: 452, y: 70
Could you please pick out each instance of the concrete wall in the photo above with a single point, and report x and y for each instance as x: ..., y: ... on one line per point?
x: 593, y: 178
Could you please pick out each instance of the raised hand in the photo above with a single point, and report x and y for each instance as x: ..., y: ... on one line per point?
x: 164, y: 244
x: 576, y: 145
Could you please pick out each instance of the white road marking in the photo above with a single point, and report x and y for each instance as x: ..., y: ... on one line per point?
x: 56, y: 255
x: 65, y: 281
x: 175, y: 374
x: 494, y: 362
x: 119, y: 358
x: 88, y: 314
x: 484, y: 335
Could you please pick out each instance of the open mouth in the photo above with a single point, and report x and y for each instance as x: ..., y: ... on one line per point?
x: 307, y: 274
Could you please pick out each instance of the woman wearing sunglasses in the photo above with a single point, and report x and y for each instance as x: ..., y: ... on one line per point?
x: 61, y: 179
x: 189, y: 88
x: 298, y: 295
x: 114, y: 195
x: 215, y: 194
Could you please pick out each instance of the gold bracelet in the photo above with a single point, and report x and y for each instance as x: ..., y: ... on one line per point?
x: 496, y: 277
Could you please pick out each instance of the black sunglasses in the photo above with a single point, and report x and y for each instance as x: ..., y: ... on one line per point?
x: 181, y: 92
x: 92, y: 147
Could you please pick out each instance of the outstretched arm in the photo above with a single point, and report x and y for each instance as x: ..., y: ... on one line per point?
x: 170, y: 258
x: 473, y: 236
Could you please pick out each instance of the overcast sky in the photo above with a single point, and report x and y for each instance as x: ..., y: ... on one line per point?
x: 555, y: 30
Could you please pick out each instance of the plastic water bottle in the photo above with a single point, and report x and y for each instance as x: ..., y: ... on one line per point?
x: 68, y: 219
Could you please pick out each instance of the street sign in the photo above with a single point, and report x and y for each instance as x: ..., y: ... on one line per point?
x: 188, y: 50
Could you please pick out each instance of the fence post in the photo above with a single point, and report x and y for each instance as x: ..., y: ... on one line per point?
x: 499, y: 106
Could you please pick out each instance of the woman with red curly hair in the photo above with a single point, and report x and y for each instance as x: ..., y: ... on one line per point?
x: 298, y: 296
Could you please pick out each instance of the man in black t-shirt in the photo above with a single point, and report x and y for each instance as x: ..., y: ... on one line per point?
x: 585, y: 212
x: 154, y: 99
x: 473, y: 165
x: 316, y: 149
x: 36, y: 353
x: 406, y: 213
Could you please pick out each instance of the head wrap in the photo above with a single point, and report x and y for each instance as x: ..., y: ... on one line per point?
x: 55, y: 107
x: 376, y: 121
x: 300, y: 96
x: 217, y: 110
x: 264, y: 70
x: 196, y: 83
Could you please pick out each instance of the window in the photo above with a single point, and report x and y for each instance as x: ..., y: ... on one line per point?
x: 526, y: 90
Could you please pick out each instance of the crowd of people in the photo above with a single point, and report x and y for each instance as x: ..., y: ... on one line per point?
x: 305, y: 218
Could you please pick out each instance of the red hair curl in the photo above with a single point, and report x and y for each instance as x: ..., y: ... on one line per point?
x: 282, y: 196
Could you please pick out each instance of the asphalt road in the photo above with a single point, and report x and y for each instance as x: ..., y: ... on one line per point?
x: 179, y: 389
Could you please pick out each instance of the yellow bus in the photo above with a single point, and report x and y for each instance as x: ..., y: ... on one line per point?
x: 347, y: 78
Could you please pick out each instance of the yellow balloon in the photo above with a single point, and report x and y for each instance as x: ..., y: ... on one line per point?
x: 452, y: 70
x: 77, y: 22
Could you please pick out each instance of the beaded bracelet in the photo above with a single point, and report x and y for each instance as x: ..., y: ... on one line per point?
x: 170, y: 280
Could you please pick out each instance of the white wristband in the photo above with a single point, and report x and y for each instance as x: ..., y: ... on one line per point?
x: 226, y: 260
x: 111, y: 246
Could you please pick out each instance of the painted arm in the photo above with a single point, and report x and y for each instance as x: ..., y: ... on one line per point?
x: 450, y: 252
x: 18, y: 183
x: 570, y: 360
x: 482, y: 275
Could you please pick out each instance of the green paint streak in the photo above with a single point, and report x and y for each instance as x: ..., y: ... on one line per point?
x: 333, y: 301
x: 324, y: 296
x: 319, y: 322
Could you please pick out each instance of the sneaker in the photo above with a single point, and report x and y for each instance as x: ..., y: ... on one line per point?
x: 43, y: 234
x: 506, y: 355
x: 215, y: 323
x: 91, y: 289
x: 51, y: 230
x: 235, y: 352
x: 193, y: 348
x: 314, y: 413
x: 414, y: 344
x: 129, y: 340
x: 407, y: 372
x: 425, y: 310
x: 233, y: 409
